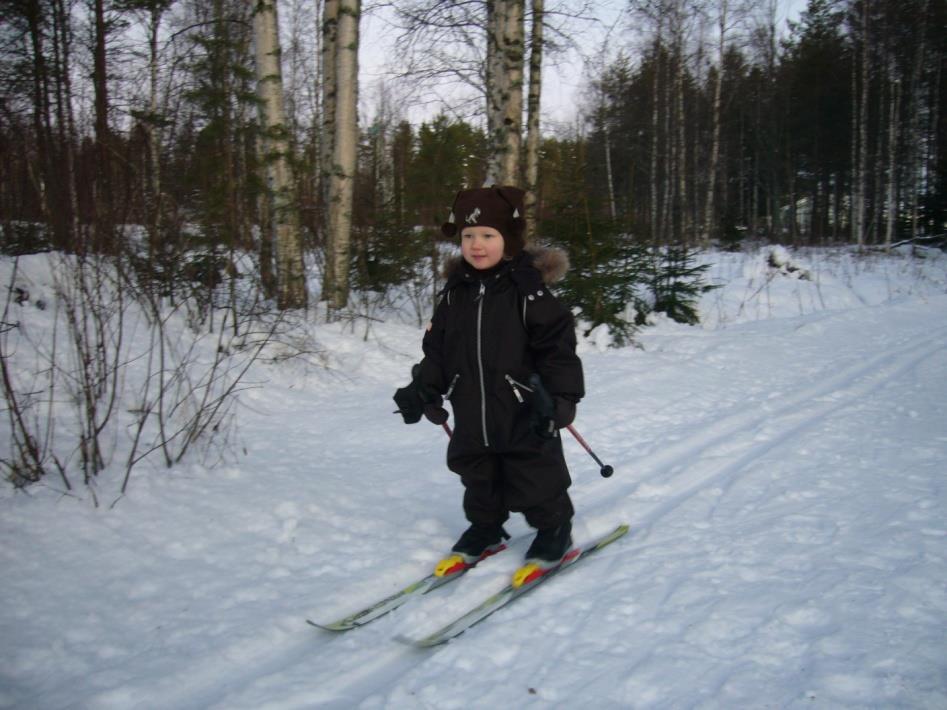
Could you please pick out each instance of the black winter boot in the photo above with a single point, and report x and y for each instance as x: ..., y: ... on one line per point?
x: 550, y: 545
x: 479, y: 541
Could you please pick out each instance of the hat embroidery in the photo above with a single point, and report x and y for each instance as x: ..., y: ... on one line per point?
x: 472, y: 217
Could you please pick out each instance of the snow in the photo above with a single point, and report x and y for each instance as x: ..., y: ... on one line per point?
x: 782, y: 467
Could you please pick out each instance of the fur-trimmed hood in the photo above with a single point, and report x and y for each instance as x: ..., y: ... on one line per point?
x: 552, y: 263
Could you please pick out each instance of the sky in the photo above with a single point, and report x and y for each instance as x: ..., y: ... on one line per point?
x: 563, y: 76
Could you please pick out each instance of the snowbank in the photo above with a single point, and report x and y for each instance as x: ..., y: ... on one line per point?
x: 782, y: 467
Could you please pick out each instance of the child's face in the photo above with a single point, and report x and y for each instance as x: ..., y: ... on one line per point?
x: 482, y: 247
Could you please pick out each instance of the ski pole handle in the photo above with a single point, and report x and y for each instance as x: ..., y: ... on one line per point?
x: 606, y: 470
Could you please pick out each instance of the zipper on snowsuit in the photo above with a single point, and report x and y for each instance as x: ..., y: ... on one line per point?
x: 483, y: 389
x: 450, y: 388
x: 517, y: 386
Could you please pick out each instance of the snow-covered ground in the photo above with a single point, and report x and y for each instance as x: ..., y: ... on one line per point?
x: 783, y: 468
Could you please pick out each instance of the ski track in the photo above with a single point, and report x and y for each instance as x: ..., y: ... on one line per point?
x: 785, y: 422
x: 792, y: 417
x: 350, y: 687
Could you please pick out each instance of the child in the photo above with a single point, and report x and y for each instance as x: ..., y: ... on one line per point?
x: 496, y: 327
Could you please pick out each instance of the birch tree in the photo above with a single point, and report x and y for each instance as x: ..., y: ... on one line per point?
x: 344, y: 150
x: 155, y: 11
x: 715, y: 116
x: 891, y: 210
x: 678, y: 29
x: 602, y: 110
x: 476, y: 49
x: 283, y: 224
x: 327, y: 54
x: 668, y: 21
x: 653, y: 173
x: 504, y: 69
x: 531, y: 174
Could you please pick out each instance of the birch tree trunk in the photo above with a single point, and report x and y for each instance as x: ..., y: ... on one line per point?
x: 345, y: 146
x: 892, y: 191
x: 504, y: 90
x: 531, y: 200
x: 492, y: 67
x: 707, y: 231
x: 681, y: 142
x: 330, y: 31
x: 609, y: 177
x: 279, y: 192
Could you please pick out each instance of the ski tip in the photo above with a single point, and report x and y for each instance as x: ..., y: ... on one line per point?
x: 617, y: 532
x: 408, y: 641
x: 330, y: 627
x: 422, y: 643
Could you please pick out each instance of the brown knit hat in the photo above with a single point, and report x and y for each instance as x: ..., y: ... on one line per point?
x: 498, y: 207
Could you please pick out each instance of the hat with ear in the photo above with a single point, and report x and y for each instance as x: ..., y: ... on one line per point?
x: 498, y: 207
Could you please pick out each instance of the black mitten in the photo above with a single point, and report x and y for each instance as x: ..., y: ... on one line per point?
x: 415, y: 399
x: 435, y: 412
x: 542, y: 415
x: 565, y: 411
x: 549, y: 412
x: 410, y: 406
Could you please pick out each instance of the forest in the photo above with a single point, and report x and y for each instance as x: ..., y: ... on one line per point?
x: 212, y: 127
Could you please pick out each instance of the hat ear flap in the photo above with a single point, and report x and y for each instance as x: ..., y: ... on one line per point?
x: 513, y: 196
x: 449, y: 228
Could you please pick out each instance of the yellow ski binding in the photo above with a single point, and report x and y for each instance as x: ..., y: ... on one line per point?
x: 450, y: 565
x: 527, y: 573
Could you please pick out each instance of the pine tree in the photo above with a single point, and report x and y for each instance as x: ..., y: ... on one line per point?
x: 677, y: 284
x: 607, y: 266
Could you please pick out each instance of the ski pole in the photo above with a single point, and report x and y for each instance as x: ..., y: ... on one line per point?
x: 447, y: 394
x: 546, y: 400
x: 606, y: 470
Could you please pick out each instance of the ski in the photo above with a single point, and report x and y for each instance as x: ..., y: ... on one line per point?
x: 390, y: 603
x: 506, y: 595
